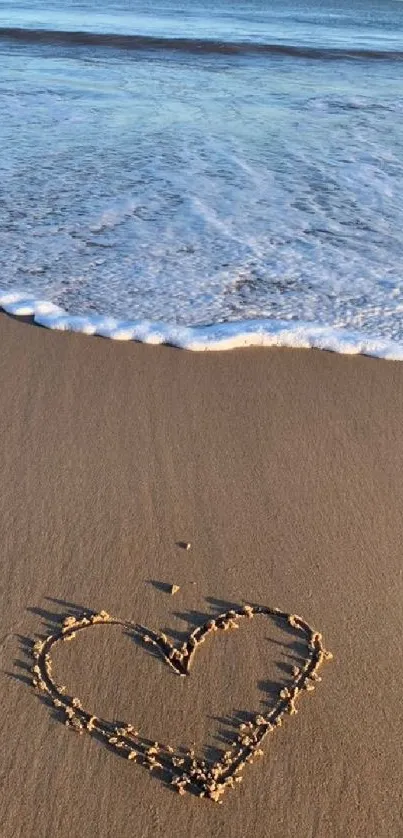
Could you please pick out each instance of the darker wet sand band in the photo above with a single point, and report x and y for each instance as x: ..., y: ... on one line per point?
x: 283, y: 469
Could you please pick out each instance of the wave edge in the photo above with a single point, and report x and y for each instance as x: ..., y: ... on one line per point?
x: 212, y: 337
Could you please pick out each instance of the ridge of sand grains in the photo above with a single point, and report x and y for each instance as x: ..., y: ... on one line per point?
x: 186, y: 773
x: 284, y: 470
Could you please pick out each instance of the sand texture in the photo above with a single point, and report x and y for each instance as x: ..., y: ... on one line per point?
x: 283, y: 470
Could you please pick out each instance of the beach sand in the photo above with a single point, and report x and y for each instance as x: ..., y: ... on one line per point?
x: 284, y: 469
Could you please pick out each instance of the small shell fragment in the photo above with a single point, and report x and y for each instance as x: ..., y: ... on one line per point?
x: 175, y: 589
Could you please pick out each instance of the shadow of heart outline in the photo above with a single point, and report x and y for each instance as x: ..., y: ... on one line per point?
x: 186, y: 773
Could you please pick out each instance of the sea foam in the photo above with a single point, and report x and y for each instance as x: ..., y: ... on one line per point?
x: 214, y: 337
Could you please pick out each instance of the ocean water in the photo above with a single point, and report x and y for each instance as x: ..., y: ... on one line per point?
x: 231, y: 166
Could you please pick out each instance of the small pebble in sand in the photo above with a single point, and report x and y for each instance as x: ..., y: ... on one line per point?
x: 175, y: 589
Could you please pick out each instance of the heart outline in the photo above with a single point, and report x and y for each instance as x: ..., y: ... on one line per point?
x: 207, y: 779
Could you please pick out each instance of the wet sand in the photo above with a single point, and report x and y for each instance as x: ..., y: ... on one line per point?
x: 283, y: 469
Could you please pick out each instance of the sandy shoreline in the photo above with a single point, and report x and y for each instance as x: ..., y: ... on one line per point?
x: 283, y: 468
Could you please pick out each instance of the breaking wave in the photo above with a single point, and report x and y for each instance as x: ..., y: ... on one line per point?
x: 191, y: 45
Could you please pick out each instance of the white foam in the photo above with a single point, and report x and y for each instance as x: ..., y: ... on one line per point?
x: 215, y: 337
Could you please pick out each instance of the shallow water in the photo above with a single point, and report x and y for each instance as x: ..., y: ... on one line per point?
x: 205, y: 162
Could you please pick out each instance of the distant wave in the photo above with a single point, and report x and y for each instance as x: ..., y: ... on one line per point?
x: 209, y: 338
x: 189, y: 45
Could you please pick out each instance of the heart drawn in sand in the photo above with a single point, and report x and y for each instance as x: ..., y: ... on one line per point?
x: 186, y: 773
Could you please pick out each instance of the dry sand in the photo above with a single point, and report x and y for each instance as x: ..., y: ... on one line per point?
x: 284, y: 469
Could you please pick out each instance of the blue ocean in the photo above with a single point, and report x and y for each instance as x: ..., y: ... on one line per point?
x: 182, y: 163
